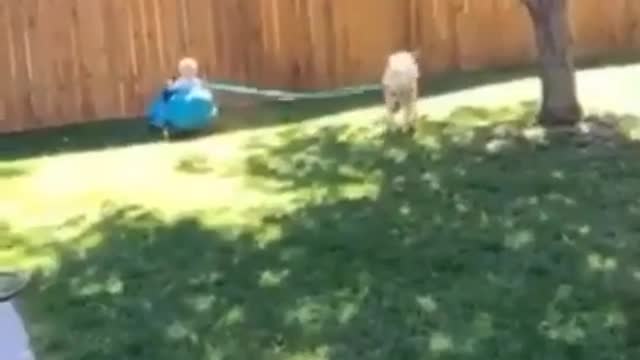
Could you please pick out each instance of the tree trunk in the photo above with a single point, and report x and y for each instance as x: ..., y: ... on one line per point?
x: 560, y: 104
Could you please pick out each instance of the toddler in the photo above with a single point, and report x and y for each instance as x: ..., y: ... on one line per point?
x: 188, y: 78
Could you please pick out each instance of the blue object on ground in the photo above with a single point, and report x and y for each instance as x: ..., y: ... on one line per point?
x: 183, y: 109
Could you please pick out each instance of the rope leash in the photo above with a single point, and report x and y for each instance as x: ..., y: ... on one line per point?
x: 283, y: 95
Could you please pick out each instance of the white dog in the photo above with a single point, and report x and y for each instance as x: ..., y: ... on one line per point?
x: 400, y: 86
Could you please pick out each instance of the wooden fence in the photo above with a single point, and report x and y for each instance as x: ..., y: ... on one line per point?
x: 68, y: 61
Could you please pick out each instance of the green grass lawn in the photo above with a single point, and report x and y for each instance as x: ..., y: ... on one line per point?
x: 480, y: 237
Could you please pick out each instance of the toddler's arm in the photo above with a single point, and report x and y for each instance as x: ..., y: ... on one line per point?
x: 186, y: 83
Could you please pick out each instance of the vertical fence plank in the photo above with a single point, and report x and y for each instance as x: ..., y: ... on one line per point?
x: 199, y: 17
x: 41, y: 68
x: 19, y: 101
x: 66, y: 81
x: 170, y: 35
x: 5, y: 64
x: 632, y: 9
x: 116, y: 30
x: 437, y: 36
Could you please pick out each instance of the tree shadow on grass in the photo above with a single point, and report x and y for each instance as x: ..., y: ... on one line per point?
x: 438, y: 246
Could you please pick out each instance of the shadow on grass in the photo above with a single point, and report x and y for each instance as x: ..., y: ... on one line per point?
x: 116, y: 133
x: 85, y: 137
x: 195, y: 164
x: 450, y: 248
x: 12, y: 172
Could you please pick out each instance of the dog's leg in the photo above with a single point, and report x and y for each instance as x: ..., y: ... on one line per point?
x: 391, y: 105
x: 410, y: 109
x: 407, y: 112
x: 407, y: 117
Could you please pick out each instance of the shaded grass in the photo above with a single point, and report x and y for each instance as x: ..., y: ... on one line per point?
x: 390, y: 247
x: 194, y: 164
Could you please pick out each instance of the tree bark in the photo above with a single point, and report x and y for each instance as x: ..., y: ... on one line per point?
x: 550, y: 20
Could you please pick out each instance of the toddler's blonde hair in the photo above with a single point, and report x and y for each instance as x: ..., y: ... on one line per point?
x: 187, y: 66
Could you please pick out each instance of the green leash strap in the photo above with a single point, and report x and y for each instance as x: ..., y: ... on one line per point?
x: 282, y: 95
